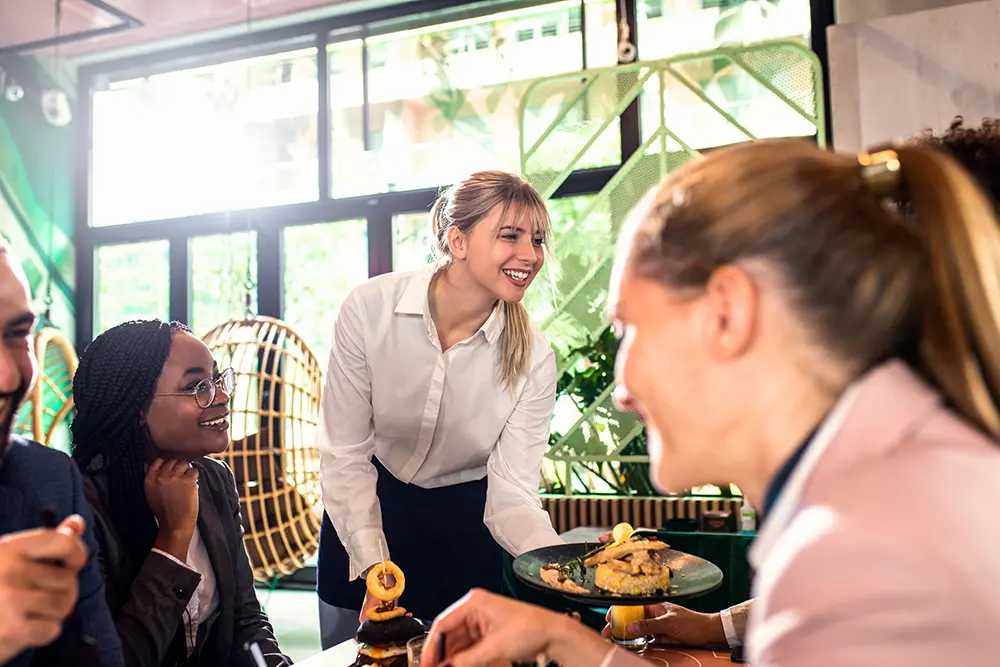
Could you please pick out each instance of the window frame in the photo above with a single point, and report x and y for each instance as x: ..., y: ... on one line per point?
x: 269, y: 222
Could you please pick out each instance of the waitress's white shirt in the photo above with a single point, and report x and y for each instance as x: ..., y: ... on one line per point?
x: 432, y: 418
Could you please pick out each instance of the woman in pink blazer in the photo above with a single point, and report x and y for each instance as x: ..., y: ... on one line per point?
x: 784, y: 329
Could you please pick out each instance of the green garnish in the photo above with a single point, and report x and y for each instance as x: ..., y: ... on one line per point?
x: 567, y: 569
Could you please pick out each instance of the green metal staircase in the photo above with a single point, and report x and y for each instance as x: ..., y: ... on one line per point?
x: 688, y: 103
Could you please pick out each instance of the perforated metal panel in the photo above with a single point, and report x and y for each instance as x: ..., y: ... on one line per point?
x: 688, y: 103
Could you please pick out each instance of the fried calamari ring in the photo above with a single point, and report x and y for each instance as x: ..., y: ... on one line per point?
x: 378, y: 589
x: 376, y: 615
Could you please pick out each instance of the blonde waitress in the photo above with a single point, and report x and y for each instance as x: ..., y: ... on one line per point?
x: 435, y: 413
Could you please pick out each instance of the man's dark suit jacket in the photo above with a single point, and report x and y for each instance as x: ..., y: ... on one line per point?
x: 33, y: 478
x: 148, y: 607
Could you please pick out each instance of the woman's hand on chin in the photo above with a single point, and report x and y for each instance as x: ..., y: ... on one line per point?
x: 172, y: 493
x: 483, y: 628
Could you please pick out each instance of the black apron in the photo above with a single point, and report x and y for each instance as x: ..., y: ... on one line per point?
x: 436, y: 536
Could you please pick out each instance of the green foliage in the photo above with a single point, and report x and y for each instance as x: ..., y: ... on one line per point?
x: 585, y: 384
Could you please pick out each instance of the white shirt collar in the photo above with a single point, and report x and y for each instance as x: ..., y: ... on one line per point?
x: 416, y: 301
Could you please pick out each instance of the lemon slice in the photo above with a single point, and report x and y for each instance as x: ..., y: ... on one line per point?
x: 621, y: 533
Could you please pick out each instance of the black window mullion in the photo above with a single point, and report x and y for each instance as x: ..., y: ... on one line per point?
x: 323, y: 129
x: 630, y: 125
x: 180, y: 280
x: 822, y: 15
x: 270, y: 270
x: 379, y: 241
x: 85, y: 298
x: 365, y: 107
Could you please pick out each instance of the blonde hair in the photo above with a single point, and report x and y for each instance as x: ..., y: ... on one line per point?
x: 462, y: 206
x: 867, y: 283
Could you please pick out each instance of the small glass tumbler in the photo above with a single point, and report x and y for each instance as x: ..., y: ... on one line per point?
x: 414, y: 649
x: 621, y: 616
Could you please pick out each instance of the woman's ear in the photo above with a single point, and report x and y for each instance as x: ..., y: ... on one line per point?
x: 457, y: 243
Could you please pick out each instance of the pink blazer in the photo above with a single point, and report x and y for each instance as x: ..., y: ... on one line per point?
x: 892, y: 554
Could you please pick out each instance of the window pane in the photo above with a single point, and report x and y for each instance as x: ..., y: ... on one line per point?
x: 132, y: 281
x: 323, y: 262
x: 672, y: 27
x: 668, y: 28
x: 412, y: 245
x: 602, y: 33
x: 231, y: 136
x: 346, y: 126
x: 218, y: 274
x: 444, y: 100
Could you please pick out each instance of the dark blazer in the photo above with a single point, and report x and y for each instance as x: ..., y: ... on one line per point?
x: 149, y: 608
x: 33, y: 478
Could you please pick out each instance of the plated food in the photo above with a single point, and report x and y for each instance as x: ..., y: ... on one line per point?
x: 383, y: 635
x: 629, y: 564
x: 631, y: 568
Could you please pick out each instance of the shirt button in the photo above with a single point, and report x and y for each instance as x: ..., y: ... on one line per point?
x: 179, y: 593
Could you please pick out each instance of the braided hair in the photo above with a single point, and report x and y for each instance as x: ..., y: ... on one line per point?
x: 115, y: 380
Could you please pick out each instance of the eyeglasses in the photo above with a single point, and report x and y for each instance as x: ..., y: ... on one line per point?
x: 204, y: 391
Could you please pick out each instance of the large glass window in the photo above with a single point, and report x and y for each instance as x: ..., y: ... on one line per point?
x: 444, y: 100
x: 232, y: 136
x: 716, y: 100
x: 131, y: 281
x: 323, y: 262
x: 218, y: 278
x: 672, y: 27
x: 412, y: 245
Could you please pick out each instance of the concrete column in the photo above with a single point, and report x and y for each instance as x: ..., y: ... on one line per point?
x: 894, y: 76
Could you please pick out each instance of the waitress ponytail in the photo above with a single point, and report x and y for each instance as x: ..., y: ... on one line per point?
x: 515, y: 344
x: 959, y: 348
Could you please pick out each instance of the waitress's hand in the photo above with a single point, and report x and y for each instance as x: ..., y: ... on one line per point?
x: 370, y: 600
x: 486, y: 629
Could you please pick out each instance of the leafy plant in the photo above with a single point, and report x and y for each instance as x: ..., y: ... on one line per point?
x: 584, y: 384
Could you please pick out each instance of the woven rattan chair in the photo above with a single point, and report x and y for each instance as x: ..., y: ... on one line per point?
x: 273, y: 455
x: 50, y: 399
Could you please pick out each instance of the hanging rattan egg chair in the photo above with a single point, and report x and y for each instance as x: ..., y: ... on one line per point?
x: 50, y: 399
x: 274, y: 411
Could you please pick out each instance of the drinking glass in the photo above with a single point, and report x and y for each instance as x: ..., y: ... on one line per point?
x: 621, y: 616
x: 414, y: 649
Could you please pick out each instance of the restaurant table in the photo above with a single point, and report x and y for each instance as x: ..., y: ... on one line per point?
x: 343, y: 655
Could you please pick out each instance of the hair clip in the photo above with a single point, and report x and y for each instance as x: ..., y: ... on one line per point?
x: 881, y: 171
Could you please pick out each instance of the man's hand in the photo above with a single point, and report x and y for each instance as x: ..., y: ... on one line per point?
x: 38, y: 584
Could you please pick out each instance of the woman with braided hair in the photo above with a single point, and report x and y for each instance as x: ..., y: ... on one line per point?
x: 151, y: 406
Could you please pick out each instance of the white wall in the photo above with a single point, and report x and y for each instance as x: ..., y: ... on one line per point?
x: 892, y: 77
x: 851, y: 11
